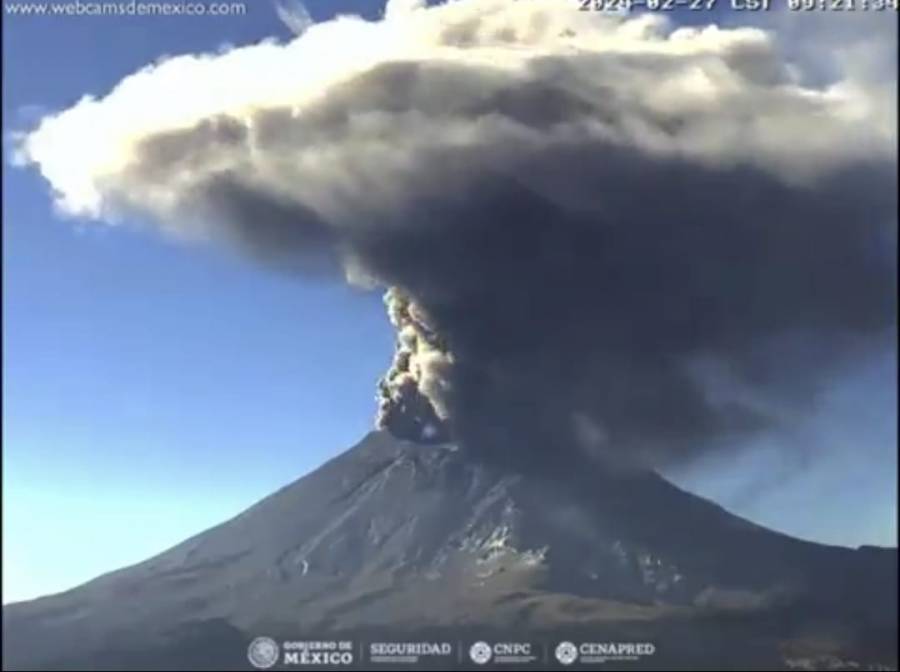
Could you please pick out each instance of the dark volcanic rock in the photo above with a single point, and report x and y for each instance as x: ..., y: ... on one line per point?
x: 397, y: 538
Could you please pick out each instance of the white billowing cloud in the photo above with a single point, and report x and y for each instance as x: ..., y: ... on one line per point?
x: 397, y: 8
x: 720, y: 96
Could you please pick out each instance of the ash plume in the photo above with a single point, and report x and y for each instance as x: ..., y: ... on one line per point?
x: 412, y: 395
x: 601, y: 233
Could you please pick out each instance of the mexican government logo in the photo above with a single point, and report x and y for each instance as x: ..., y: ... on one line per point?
x: 566, y: 653
x: 480, y: 653
x: 263, y: 652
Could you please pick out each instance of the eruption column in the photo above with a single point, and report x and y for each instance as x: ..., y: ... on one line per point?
x: 412, y: 395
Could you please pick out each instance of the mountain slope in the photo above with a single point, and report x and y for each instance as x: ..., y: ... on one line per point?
x: 397, y: 537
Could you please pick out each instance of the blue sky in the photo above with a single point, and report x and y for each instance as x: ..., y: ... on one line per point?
x: 152, y: 390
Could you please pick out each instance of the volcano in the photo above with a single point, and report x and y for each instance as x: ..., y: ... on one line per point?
x: 395, y: 540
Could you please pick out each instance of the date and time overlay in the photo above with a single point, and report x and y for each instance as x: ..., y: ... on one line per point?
x: 740, y: 5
